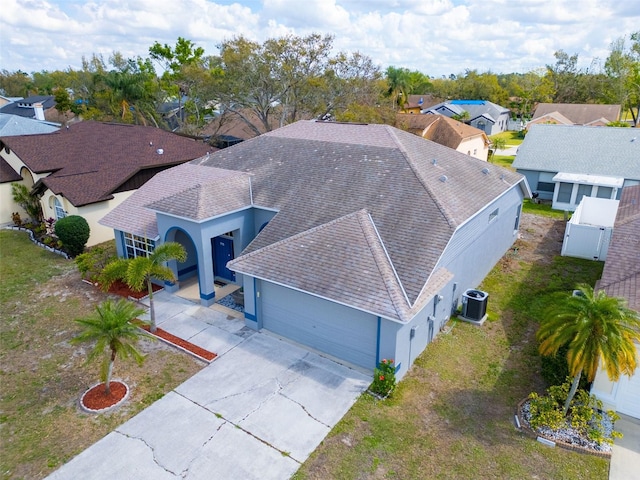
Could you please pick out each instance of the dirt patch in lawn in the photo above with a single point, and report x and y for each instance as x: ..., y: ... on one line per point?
x: 43, y: 376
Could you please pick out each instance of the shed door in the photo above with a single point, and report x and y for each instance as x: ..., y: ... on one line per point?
x: 339, y: 331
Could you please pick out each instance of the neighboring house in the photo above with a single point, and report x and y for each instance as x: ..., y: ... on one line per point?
x: 554, y: 118
x: 621, y: 278
x: 90, y: 167
x: 563, y: 163
x: 417, y: 103
x: 446, y: 131
x: 40, y: 107
x: 11, y: 125
x: 483, y: 114
x: 575, y: 114
x: 355, y: 240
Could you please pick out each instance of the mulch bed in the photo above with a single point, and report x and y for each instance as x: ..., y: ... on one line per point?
x: 120, y: 288
x: 178, y: 342
x: 95, y: 399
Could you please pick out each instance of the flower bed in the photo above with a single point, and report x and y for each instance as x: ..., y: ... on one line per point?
x: 568, y: 437
x: 178, y: 342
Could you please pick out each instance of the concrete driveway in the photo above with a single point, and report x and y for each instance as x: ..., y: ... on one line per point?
x: 256, y: 412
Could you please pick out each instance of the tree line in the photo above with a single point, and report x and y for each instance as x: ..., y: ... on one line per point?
x: 270, y: 84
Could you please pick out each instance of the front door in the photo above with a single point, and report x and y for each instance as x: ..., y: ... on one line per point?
x: 222, y: 252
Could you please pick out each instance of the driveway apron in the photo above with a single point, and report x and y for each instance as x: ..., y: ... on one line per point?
x: 625, y: 458
x: 256, y: 412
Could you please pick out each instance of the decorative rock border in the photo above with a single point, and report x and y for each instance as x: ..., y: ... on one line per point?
x: 41, y: 245
x: 523, y: 426
x: 111, y: 407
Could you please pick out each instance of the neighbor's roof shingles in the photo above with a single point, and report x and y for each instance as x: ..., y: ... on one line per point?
x: 621, y: 274
x: 89, y: 160
x: 579, y: 113
x: 438, y: 128
x: 611, y: 151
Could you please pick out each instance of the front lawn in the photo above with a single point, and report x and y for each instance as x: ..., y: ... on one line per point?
x: 42, y: 375
x: 451, y: 417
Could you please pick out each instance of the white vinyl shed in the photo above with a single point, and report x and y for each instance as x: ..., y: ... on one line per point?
x: 588, y: 233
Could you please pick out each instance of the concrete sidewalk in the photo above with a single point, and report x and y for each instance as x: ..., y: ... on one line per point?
x: 625, y: 458
x: 256, y: 412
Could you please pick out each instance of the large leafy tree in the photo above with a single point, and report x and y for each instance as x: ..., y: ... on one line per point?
x: 111, y: 329
x: 623, y: 72
x: 129, y: 91
x: 183, y: 67
x: 139, y: 272
x: 594, y: 327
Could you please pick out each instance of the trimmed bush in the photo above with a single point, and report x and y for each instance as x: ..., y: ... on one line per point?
x: 73, y: 231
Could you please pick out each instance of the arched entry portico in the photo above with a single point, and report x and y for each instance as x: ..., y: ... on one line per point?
x: 186, y: 272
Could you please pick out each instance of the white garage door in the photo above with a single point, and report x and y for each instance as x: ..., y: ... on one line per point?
x: 628, y: 396
x: 342, y: 332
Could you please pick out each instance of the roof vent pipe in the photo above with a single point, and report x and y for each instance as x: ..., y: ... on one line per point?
x: 434, y: 161
x: 443, y: 178
x: 159, y: 151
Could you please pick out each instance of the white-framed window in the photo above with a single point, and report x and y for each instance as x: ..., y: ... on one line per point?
x: 58, y: 209
x: 137, y: 246
x: 493, y: 215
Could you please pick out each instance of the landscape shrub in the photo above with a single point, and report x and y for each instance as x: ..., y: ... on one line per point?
x: 92, y: 262
x: 73, y: 231
x: 384, y: 378
x: 585, y: 413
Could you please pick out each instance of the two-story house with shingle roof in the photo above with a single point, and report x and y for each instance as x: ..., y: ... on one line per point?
x: 88, y: 168
x: 563, y: 163
x: 483, y: 114
x: 355, y: 240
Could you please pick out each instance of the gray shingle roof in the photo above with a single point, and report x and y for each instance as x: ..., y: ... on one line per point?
x: 579, y: 113
x: 579, y: 149
x: 314, y: 172
x: 621, y: 274
x: 11, y: 125
x: 364, y: 211
x: 476, y: 109
x: 134, y: 217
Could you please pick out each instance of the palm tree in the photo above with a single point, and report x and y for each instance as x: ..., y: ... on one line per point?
x: 138, y: 272
x: 595, y: 327
x: 111, y: 328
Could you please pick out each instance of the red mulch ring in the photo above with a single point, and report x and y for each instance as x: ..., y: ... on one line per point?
x: 96, y: 399
x: 177, y: 341
x: 120, y: 288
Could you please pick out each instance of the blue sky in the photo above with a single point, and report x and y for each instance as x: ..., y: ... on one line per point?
x: 436, y: 37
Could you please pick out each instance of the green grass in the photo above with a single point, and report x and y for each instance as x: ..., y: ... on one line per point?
x: 512, y: 138
x: 451, y: 417
x: 42, y: 376
x: 503, y: 160
x: 542, y: 209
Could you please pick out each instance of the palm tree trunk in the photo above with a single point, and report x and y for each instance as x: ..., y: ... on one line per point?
x: 572, y: 392
x: 152, y: 311
x: 107, y: 388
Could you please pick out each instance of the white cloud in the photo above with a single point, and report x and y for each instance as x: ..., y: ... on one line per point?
x: 437, y: 37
